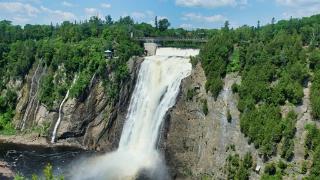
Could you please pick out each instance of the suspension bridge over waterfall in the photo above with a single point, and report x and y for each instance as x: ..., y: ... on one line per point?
x: 169, y: 39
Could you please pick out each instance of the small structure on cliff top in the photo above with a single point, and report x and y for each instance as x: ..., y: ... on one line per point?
x: 108, y: 54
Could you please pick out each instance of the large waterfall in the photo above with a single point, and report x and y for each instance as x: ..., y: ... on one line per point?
x: 156, y: 90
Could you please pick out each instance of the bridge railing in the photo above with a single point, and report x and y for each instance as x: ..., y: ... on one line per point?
x: 161, y: 39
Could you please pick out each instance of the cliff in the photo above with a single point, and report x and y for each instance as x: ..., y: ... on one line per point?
x: 92, y: 121
x: 197, y: 144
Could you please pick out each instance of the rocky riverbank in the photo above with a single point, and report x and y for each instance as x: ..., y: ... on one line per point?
x: 5, y: 171
x: 36, y: 139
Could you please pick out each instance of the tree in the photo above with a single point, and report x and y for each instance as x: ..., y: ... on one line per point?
x: 273, y: 21
x: 226, y: 26
x: 164, y: 24
x: 156, y: 22
x: 108, y: 20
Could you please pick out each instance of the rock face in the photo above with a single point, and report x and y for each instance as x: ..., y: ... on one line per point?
x: 5, y: 171
x: 196, y: 144
x: 92, y: 121
x: 28, y: 103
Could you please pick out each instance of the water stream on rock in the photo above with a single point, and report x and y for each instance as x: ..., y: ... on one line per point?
x: 56, y: 126
x: 157, y: 87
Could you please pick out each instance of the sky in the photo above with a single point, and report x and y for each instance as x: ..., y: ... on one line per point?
x: 188, y: 14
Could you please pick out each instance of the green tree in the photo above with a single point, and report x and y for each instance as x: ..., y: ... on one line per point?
x: 163, y: 24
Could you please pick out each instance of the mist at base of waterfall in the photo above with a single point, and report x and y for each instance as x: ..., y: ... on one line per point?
x: 155, y: 92
x: 121, y: 165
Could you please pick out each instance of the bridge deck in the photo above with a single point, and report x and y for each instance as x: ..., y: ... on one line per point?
x: 162, y: 39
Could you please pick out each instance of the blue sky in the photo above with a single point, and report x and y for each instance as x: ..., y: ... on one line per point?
x: 181, y: 13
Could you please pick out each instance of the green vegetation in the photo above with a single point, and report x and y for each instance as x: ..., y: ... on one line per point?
x: 229, y: 117
x: 214, y: 58
x: 205, y: 107
x: 47, y: 175
x: 313, y: 149
x: 275, y: 63
x: 74, y: 48
x: 288, y: 132
x: 262, y: 127
x: 238, y: 168
x: 271, y: 172
x: 234, y: 64
x: 304, y: 168
x: 315, y: 95
x: 191, y: 93
x: 7, y: 106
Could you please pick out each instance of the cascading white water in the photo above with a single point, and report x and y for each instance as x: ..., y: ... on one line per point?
x: 157, y: 87
x: 56, y: 126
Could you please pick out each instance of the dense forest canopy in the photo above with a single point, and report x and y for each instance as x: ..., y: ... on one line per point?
x: 275, y: 62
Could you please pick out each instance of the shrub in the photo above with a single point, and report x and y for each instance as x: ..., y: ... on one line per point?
x: 190, y: 94
x: 214, y: 85
x: 270, y: 169
x: 205, y: 107
x: 282, y: 165
x: 235, y: 88
x: 229, y: 117
x: 304, y: 168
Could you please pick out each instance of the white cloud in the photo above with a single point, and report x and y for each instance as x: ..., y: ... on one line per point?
x: 299, y: 8
x: 210, y: 3
x: 58, y: 15
x: 150, y: 13
x: 30, y: 1
x: 162, y: 17
x: 186, y: 26
x: 22, y: 13
x: 106, y: 5
x: 296, y: 3
x: 205, y: 19
x: 20, y: 8
x: 146, y: 16
x: 138, y: 15
x: 91, y: 11
x: 21, y: 20
x: 67, y: 4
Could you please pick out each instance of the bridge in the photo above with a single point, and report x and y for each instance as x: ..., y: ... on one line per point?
x: 169, y: 39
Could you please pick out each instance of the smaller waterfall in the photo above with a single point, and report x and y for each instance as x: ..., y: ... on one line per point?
x: 34, y: 86
x: 56, y: 126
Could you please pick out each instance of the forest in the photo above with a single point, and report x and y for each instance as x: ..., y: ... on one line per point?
x: 276, y: 62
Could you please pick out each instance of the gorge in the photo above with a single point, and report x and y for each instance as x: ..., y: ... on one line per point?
x: 104, y: 99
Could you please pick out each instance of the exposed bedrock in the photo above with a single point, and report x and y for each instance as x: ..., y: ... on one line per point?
x: 196, y: 144
x: 92, y: 121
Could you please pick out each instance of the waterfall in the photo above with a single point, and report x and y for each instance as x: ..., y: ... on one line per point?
x: 157, y: 87
x: 56, y: 126
x: 32, y: 95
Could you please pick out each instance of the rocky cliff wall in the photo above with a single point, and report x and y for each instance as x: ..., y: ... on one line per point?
x: 196, y: 144
x: 92, y: 121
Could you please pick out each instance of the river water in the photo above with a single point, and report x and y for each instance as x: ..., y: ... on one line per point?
x: 29, y: 159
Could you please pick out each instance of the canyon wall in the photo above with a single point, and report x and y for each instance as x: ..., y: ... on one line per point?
x: 91, y: 121
x: 196, y: 144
